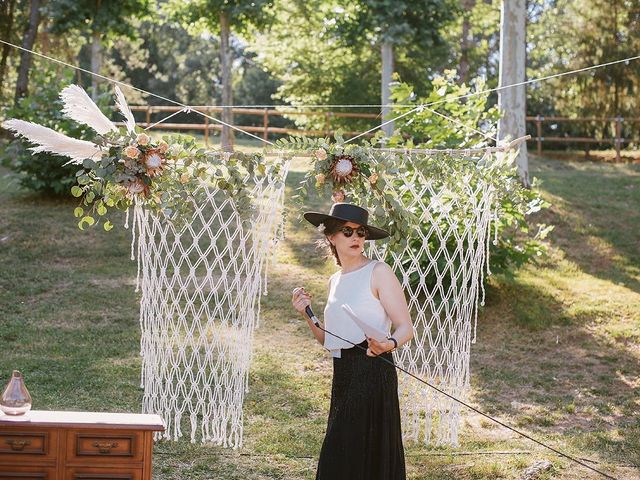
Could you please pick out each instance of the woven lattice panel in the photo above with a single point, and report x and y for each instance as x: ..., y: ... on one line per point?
x: 441, y: 269
x: 200, y: 287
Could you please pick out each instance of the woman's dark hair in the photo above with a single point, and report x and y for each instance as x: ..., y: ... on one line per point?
x: 331, y: 226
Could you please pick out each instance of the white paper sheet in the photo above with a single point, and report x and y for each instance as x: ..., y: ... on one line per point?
x: 369, y: 330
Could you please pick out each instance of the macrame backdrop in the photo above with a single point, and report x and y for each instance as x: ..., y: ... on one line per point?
x: 200, y: 304
x: 201, y: 287
x: 441, y: 269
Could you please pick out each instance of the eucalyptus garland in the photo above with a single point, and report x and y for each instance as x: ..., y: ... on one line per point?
x: 353, y: 173
x: 374, y: 178
x: 163, y: 176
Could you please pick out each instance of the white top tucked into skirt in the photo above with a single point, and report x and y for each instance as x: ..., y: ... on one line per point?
x: 354, y: 289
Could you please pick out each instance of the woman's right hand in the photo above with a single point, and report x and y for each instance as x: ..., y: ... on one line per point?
x: 300, y: 299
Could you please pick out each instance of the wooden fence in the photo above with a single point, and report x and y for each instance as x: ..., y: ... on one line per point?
x: 265, y: 113
x: 616, y: 140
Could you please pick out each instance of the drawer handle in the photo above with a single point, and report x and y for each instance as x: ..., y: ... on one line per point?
x: 105, y: 447
x: 18, y: 445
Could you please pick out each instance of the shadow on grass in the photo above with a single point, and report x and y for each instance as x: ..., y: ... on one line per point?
x: 550, y: 374
x: 282, y: 409
x: 598, y: 217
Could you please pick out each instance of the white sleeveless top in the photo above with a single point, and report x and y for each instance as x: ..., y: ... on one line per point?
x: 354, y: 289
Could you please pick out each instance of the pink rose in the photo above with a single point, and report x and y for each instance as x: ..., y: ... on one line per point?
x: 338, y: 196
x: 143, y: 139
x: 373, y: 178
x: 320, y: 178
x: 321, y: 154
x: 163, y: 146
x: 132, y: 151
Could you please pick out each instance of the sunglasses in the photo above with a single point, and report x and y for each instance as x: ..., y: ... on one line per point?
x: 360, y: 231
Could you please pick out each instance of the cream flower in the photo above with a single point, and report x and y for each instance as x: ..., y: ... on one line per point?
x: 373, y: 178
x: 132, y: 151
x: 321, y: 228
x: 320, y: 178
x: 321, y: 154
x: 163, y: 146
x: 143, y: 139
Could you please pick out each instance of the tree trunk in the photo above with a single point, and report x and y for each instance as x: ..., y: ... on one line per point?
x: 616, y: 78
x: 226, y: 139
x: 7, y: 13
x: 96, y: 62
x: 387, y: 70
x: 512, y: 101
x: 29, y: 39
x: 465, y: 41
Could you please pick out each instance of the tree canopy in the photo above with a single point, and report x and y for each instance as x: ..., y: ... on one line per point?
x: 295, y: 52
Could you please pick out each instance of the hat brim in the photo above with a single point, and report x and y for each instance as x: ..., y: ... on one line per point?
x: 316, y: 218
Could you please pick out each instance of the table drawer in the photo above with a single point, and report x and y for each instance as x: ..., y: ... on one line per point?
x: 107, y: 447
x: 20, y: 442
x: 90, y: 473
x: 27, y: 473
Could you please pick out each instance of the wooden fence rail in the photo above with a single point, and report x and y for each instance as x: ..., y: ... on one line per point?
x: 265, y: 113
x: 617, y: 140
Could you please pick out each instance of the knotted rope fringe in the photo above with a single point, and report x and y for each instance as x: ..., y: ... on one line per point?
x: 441, y: 270
x: 200, y: 287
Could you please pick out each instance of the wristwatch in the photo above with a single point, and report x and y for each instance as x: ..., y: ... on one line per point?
x: 395, y: 344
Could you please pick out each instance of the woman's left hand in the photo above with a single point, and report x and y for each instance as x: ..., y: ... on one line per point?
x: 377, y: 348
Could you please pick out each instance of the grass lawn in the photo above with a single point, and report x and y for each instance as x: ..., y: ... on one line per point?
x: 558, y: 350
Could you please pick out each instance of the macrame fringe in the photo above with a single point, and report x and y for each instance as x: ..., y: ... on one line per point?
x: 444, y: 313
x: 200, y: 288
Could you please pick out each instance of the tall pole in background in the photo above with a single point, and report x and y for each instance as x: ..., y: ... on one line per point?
x: 387, y: 70
x: 512, y: 101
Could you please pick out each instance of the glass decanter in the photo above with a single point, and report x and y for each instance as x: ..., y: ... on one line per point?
x: 15, y: 399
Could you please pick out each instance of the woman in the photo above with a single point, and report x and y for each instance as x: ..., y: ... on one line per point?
x: 363, y: 439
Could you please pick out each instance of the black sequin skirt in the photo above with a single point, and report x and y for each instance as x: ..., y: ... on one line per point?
x: 364, y: 438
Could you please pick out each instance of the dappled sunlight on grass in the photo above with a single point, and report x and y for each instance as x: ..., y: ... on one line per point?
x: 595, y: 210
x: 557, y: 353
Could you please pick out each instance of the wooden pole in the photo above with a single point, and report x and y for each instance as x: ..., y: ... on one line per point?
x: 147, y: 116
x: 512, y: 101
x: 385, y: 94
x: 227, y: 136
x: 206, y: 128
x: 265, y: 123
x: 539, y: 119
x: 618, y: 139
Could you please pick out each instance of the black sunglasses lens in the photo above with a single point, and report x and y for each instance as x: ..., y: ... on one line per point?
x: 348, y: 231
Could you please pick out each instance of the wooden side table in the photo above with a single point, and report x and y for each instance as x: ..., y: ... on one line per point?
x: 46, y: 445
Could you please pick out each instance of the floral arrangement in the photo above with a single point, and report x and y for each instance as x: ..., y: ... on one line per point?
x: 353, y: 173
x: 124, y: 166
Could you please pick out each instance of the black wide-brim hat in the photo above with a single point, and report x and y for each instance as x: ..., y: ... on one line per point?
x: 348, y: 213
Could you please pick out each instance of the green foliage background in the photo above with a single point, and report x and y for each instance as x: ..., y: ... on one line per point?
x: 44, y: 172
